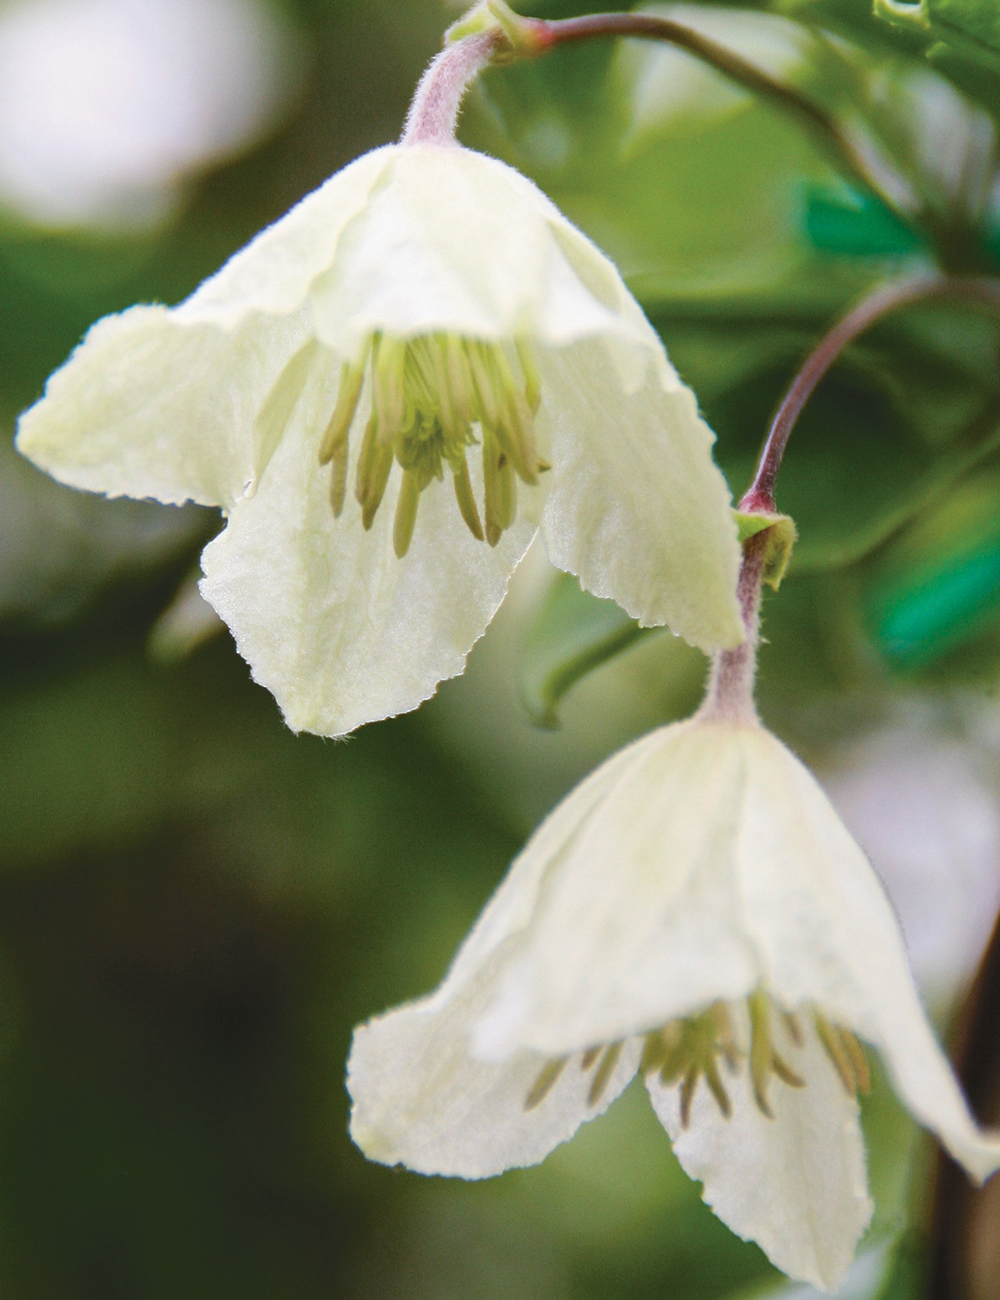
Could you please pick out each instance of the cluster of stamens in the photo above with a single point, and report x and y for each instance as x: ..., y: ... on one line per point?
x: 433, y: 397
x: 700, y: 1047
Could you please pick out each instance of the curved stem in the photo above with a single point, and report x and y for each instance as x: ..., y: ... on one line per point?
x: 433, y: 114
x: 545, y: 35
x: 888, y: 298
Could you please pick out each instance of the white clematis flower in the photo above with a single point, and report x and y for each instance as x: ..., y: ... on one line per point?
x: 697, y: 912
x: 426, y: 315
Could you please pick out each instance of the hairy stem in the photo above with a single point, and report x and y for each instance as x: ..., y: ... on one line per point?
x: 980, y: 291
x: 729, y: 697
x: 433, y: 115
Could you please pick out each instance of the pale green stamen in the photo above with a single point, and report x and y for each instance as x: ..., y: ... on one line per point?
x: 434, y: 396
x: 846, y: 1053
x: 764, y: 1058
x: 545, y: 1082
x: 605, y: 1069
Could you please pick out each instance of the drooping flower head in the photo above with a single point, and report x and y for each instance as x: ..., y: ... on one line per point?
x: 697, y: 913
x: 388, y: 392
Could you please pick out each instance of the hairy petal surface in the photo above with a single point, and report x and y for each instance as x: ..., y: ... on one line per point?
x: 819, y: 913
x: 454, y: 240
x: 796, y: 1183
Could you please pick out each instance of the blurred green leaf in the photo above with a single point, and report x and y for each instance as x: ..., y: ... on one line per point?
x: 938, y: 584
x: 906, y: 1275
x: 61, y: 549
x: 570, y: 634
x: 708, y: 202
x: 113, y: 750
x: 848, y: 222
x: 970, y: 26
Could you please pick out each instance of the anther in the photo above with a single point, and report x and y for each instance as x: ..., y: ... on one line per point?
x: 480, y: 355
x: 466, y: 500
x: 352, y: 377
x: 716, y: 1088
x: 532, y: 379
x: 654, y: 1051
x: 603, y: 1073
x: 406, y: 513
x: 374, y: 464
x: 460, y: 379
x: 338, y: 479
x: 688, y: 1087
x: 545, y: 1082
x: 389, y: 358
x: 846, y: 1053
x: 761, y: 1050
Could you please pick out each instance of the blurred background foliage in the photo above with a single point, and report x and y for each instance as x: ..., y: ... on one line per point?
x: 196, y: 906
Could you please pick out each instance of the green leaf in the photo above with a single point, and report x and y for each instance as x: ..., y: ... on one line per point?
x: 703, y: 203
x: 906, y: 1276
x: 839, y: 220
x: 571, y: 634
x: 938, y: 585
x: 970, y: 26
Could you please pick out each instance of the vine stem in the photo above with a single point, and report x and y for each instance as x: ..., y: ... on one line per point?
x: 981, y: 291
x: 544, y: 35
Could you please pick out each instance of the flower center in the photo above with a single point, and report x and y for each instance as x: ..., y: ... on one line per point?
x: 433, y: 397
x: 688, y: 1050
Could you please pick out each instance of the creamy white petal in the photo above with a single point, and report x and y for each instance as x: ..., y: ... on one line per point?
x: 272, y: 274
x: 639, y: 919
x: 192, y: 403
x: 459, y: 241
x: 512, y: 908
x: 330, y: 620
x: 420, y: 1098
x: 148, y: 408
x: 636, y: 509
x: 817, y: 910
x: 796, y: 1183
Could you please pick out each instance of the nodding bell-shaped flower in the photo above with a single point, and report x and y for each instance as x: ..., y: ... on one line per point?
x: 388, y: 392
x: 694, y: 912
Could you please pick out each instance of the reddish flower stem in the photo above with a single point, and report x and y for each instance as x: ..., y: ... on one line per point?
x: 730, y: 692
x: 544, y: 36
x: 433, y: 114
x: 888, y: 298
x: 729, y: 697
